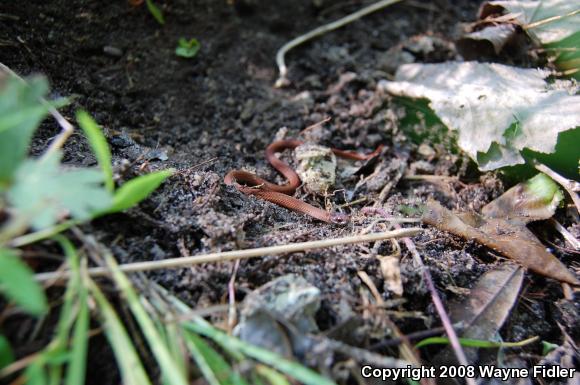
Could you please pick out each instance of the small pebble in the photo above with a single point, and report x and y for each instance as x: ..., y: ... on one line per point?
x: 112, y: 51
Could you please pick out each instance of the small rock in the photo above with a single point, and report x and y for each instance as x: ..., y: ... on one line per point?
x: 112, y: 51
x: 248, y: 111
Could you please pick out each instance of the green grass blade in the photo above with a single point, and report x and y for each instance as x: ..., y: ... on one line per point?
x: 35, y: 374
x: 291, y: 369
x: 130, y: 366
x: 169, y: 369
x: 213, y: 366
x: 77, y: 367
x: 66, y: 317
x: 137, y: 189
x: 272, y: 376
x: 6, y: 353
x: 177, y: 347
x: 472, y: 343
x: 43, y: 234
x: 59, y: 344
x: 18, y: 284
x: 201, y: 361
x: 99, y: 145
x: 155, y: 12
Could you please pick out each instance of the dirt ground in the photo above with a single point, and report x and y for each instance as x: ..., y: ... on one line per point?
x: 218, y: 111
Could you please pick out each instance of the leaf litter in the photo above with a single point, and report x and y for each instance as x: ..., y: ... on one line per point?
x: 486, y: 308
x: 501, y: 225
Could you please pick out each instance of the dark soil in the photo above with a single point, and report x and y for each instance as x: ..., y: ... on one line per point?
x: 219, y: 110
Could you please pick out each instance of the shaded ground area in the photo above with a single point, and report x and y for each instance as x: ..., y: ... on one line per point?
x: 218, y: 111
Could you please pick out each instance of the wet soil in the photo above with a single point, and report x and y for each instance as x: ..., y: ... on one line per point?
x: 219, y: 110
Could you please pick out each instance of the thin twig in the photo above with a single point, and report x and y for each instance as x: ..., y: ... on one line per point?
x: 449, y: 330
x: 570, y: 186
x: 283, y: 70
x: 173, y: 263
x: 232, y: 319
x: 352, y: 203
x: 435, y: 178
x: 382, y: 213
x: 550, y: 19
x: 317, y: 124
x: 575, y: 243
x: 67, y: 128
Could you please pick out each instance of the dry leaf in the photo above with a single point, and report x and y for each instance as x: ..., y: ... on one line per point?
x: 496, y: 110
x: 391, y: 273
x: 486, y: 309
x: 513, y: 240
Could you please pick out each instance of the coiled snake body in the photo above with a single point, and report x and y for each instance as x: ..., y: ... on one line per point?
x: 280, y: 194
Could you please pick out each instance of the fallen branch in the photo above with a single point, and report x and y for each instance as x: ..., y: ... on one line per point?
x: 224, y: 256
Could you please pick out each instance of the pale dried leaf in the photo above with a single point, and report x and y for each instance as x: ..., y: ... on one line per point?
x: 531, y: 11
x: 496, y: 110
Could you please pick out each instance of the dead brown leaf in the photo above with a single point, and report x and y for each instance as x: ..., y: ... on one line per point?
x: 487, y: 307
x: 510, y: 238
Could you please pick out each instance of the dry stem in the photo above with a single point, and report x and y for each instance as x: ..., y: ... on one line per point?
x: 173, y: 263
x: 283, y: 70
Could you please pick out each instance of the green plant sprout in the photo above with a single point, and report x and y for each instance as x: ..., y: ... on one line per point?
x: 155, y: 11
x: 38, y: 193
x: 187, y: 48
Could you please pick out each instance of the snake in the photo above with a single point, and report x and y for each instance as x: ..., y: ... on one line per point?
x: 251, y: 184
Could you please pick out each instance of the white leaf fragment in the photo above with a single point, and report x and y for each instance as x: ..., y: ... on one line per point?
x: 481, y: 101
x: 563, y: 22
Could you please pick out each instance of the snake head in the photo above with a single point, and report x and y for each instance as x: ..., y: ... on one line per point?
x: 339, y: 218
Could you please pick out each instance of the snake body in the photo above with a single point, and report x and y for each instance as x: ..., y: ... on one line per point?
x: 251, y: 184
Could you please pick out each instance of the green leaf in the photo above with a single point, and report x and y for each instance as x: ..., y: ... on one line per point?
x: 20, y: 114
x: 18, y: 284
x: 99, y: 145
x: 474, y: 343
x: 155, y: 11
x: 137, y: 189
x: 187, y: 48
x: 547, y: 347
x: 43, y: 192
x: 6, y: 353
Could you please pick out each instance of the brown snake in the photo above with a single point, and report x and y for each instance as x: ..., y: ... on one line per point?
x: 280, y: 194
